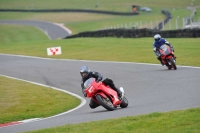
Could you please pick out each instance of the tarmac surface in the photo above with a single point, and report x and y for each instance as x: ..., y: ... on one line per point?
x: 148, y: 87
x: 52, y: 30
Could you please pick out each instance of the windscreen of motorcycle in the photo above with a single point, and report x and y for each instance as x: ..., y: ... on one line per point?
x: 164, y: 47
x: 88, y: 82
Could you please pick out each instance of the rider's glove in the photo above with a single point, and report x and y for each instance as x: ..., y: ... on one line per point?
x: 172, y: 48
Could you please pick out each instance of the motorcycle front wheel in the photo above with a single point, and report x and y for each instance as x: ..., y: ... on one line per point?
x: 124, y: 103
x: 173, y: 64
x: 105, y: 102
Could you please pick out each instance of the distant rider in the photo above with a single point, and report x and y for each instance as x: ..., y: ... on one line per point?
x: 86, y: 74
x: 157, y: 44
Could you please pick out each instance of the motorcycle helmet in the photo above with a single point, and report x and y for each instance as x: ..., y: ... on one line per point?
x: 157, y: 37
x: 84, y: 71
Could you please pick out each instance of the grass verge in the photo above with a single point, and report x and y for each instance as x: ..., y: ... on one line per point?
x: 187, y: 50
x: 20, y: 100
x: 186, y: 121
x: 20, y: 34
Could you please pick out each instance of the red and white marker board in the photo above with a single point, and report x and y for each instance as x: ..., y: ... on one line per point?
x: 54, y: 51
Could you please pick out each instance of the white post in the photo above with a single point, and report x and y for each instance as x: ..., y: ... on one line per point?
x: 151, y: 24
x: 137, y: 25
x: 176, y: 23
x: 199, y: 21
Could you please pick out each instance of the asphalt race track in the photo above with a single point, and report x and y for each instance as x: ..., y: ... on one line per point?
x: 52, y: 30
x: 148, y: 87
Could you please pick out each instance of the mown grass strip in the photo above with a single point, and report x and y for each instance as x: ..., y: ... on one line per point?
x: 187, y: 50
x: 20, y: 33
x: 182, y: 121
x: 20, y: 100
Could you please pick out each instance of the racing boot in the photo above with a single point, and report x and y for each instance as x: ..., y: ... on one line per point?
x: 118, y: 92
x: 93, y: 104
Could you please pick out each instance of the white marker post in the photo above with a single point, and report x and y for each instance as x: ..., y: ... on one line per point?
x: 54, y: 51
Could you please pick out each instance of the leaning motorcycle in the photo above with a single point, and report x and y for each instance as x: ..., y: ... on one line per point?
x: 168, y: 57
x: 104, y: 95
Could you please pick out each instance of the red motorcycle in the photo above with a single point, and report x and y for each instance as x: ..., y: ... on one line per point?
x: 104, y: 95
x: 168, y: 57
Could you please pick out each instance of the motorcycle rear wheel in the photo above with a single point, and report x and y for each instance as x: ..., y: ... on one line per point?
x: 105, y: 102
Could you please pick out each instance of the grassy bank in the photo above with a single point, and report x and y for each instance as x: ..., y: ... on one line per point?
x: 79, y: 22
x: 111, y: 5
x: 20, y: 100
x: 20, y: 34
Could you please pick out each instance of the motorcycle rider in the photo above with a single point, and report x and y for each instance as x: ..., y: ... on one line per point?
x: 86, y: 74
x: 157, y: 44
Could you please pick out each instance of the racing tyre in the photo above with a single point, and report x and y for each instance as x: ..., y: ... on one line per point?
x: 124, y: 103
x: 169, y: 67
x: 105, y: 102
x: 173, y: 64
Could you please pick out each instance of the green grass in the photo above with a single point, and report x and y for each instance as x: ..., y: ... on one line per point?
x: 187, y: 121
x: 197, y: 16
x: 20, y: 34
x: 112, y: 5
x: 20, y: 100
x: 79, y: 22
x: 187, y: 50
x: 178, y: 15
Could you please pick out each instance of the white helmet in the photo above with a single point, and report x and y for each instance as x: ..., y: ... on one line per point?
x: 157, y: 37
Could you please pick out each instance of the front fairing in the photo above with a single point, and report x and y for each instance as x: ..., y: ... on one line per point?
x: 90, y: 87
x: 165, y: 50
x: 88, y: 82
x: 93, y: 88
